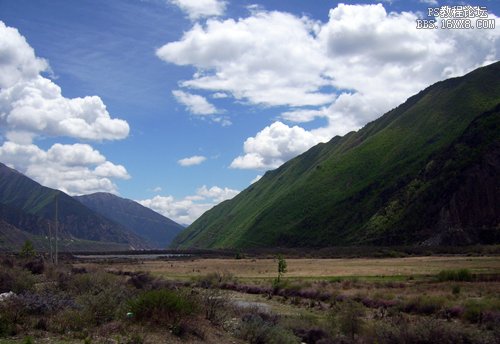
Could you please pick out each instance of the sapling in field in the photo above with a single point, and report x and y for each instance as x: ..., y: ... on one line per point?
x: 281, y: 267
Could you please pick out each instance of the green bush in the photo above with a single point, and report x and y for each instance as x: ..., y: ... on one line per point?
x: 12, y: 316
x: 100, y: 308
x: 69, y: 320
x: 256, y: 329
x: 461, y: 275
x: 162, y: 306
x: 350, y: 318
x: 16, y: 280
x: 28, y: 250
x: 481, y: 310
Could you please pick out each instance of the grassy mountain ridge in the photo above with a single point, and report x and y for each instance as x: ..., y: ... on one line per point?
x: 29, y: 206
x: 329, y: 194
x: 157, y: 229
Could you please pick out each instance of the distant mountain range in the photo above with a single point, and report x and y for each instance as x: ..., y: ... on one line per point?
x: 156, y: 229
x: 27, y: 211
x: 425, y: 173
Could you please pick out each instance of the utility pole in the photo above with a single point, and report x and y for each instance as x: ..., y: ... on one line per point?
x: 51, y: 255
x: 57, y: 193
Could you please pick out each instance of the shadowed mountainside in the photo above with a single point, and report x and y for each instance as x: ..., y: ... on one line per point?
x: 157, y: 229
x: 30, y: 207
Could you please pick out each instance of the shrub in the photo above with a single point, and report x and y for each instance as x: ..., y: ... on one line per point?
x: 162, y: 306
x: 350, y: 318
x: 259, y: 328
x: 142, y: 280
x: 69, y: 319
x: 427, y: 331
x: 91, y: 283
x: 28, y: 250
x: 423, y: 305
x: 462, y: 275
x: 16, y: 280
x: 215, y: 305
x: 481, y: 311
x: 45, y: 302
x: 36, y: 266
x: 100, y: 308
x: 12, y: 314
x: 215, y: 279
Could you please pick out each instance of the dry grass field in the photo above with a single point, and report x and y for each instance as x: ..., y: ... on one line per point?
x: 310, y: 268
x: 426, y: 299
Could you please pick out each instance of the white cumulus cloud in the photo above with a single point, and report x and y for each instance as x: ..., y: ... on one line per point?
x: 75, y: 169
x: 354, y: 67
x: 274, y: 145
x: 191, y: 161
x: 269, y: 58
x: 196, y: 9
x: 33, y: 106
x: 188, y: 209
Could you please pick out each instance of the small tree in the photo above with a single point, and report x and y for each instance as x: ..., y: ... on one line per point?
x: 281, y: 267
x: 27, y: 251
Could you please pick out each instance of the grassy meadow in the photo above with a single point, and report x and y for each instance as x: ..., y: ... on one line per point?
x: 310, y: 268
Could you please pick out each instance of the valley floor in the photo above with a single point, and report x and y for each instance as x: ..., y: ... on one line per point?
x: 427, y: 299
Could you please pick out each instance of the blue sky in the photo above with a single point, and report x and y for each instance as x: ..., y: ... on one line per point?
x: 194, y: 99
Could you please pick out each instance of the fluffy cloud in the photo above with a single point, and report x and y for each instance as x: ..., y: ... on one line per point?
x: 32, y: 106
x: 269, y: 58
x: 75, y: 169
x: 17, y: 59
x: 194, y: 160
x: 194, y: 103
x: 196, y: 9
x: 351, y: 69
x: 216, y: 193
x: 188, y: 209
x: 274, y: 145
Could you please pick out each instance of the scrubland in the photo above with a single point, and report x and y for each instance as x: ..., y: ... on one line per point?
x: 436, y: 299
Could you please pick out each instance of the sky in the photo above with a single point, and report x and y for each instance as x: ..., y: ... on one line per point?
x: 181, y: 104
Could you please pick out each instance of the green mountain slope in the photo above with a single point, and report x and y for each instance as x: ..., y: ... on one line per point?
x: 30, y: 207
x: 149, y: 225
x: 342, y: 192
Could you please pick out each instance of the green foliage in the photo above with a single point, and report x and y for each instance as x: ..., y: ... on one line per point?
x: 373, y: 186
x: 28, y: 250
x: 281, y: 267
x: 28, y: 340
x: 350, y: 318
x: 461, y: 275
x: 162, y: 306
x: 256, y: 329
x: 485, y: 310
x: 16, y: 280
x: 69, y: 320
